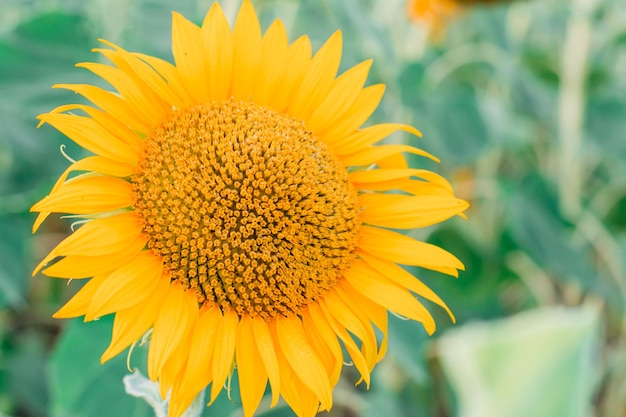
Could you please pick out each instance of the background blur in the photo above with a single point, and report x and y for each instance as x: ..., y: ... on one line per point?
x: 525, y: 104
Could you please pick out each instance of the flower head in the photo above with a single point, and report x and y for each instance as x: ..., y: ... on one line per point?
x: 236, y: 209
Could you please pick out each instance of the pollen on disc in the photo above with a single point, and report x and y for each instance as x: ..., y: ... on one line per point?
x: 246, y: 207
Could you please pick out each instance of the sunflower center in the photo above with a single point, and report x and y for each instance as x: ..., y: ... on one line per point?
x: 246, y: 207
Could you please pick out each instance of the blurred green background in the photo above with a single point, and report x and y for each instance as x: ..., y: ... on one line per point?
x: 525, y: 104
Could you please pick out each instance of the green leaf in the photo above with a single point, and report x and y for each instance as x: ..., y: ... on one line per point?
x: 82, y: 387
x: 14, y: 243
x: 542, y: 363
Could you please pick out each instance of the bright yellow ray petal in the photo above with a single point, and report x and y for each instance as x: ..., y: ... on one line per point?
x: 79, y: 266
x: 87, y: 195
x: 189, y: 54
x: 132, y: 323
x: 297, y: 64
x: 77, y: 305
x: 172, y: 372
x: 91, y: 135
x: 92, y: 163
x: 320, y: 314
x: 171, y: 75
x: 178, y: 313
x: 377, y: 288
x: 126, y: 286
x: 318, y: 79
x: 332, y: 361
x: 302, y: 359
x: 129, y: 70
x: 116, y: 128
x: 289, y: 389
x: 218, y: 43
x: 246, y: 52
x: 364, y: 105
x: 362, y: 138
x: 375, y: 312
x: 395, y: 161
x: 324, y: 341
x: 377, y: 175
x: 146, y: 75
x: 408, y: 212
x: 97, y: 237
x: 415, y: 187
x: 271, y: 63
x: 250, y: 368
x: 341, y: 96
x: 354, y: 323
x: 110, y: 103
x: 224, y: 352
x: 265, y: 347
x: 149, y: 112
x: 371, y: 154
x: 404, y: 279
x: 198, y: 370
x: 402, y: 249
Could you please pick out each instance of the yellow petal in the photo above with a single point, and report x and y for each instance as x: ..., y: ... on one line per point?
x: 402, y: 249
x: 151, y: 113
x: 145, y: 75
x: 318, y: 79
x: 224, y: 351
x: 395, y: 161
x: 91, y: 135
x: 127, y: 286
x: 361, y: 110
x: 190, y: 57
x: 77, y: 305
x: 403, y: 278
x: 371, y: 154
x: 198, y: 370
x: 362, y: 138
x: 112, y: 104
x: 355, y: 323
x: 93, y: 163
x: 97, y: 237
x: 132, y: 323
x: 320, y: 314
x: 375, y: 312
x: 377, y: 175
x: 324, y: 341
x: 265, y: 346
x: 377, y: 288
x: 178, y: 314
x: 296, y: 67
x: 78, y: 266
x: 87, y: 195
x: 344, y: 91
x: 246, y: 52
x: 171, y: 74
x: 302, y: 359
x: 119, y: 130
x: 250, y: 368
x: 408, y: 212
x: 271, y: 63
x: 218, y: 42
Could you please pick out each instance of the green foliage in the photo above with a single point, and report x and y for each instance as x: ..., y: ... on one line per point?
x: 524, y: 104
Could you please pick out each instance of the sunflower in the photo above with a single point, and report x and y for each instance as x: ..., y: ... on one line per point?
x: 236, y: 211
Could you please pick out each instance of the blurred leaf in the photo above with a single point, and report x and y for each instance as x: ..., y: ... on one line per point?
x: 14, y: 253
x: 27, y: 374
x: 543, y: 363
x: 82, y: 387
x: 407, y: 343
x: 606, y: 120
